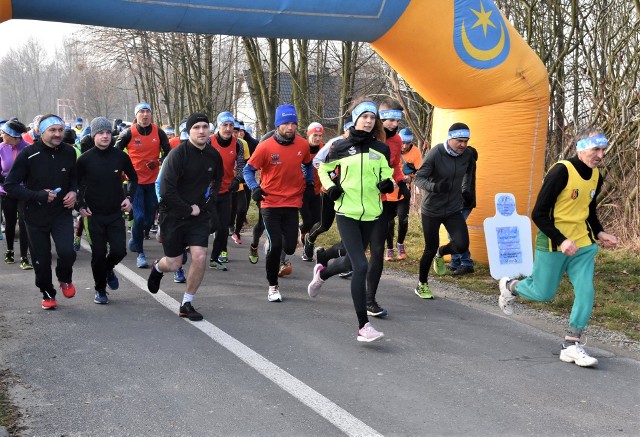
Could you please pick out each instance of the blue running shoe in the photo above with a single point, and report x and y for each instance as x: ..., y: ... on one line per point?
x: 179, y: 277
x: 101, y: 297
x: 141, y: 261
x: 112, y: 280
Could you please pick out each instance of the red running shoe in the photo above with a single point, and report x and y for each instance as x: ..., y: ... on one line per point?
x: 49, y: 304
x: 68, y: 289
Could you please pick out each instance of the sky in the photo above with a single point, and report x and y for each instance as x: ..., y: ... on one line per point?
x: 14, y: 33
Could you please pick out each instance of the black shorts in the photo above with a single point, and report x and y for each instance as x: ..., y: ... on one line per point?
x: 180, y: 233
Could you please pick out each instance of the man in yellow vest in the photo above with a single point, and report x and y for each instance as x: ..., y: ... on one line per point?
x: 568, y: 227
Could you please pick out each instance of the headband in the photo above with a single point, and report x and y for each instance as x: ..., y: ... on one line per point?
x: 48, y: 122
x: 598, y: 140
x: 7, y: 130
x: 362, y: 108
x: 459, y: 133
x: 225, y: 117
x: 390, y: 114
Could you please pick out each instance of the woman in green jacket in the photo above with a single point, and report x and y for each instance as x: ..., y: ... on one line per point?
x: 355, y: 173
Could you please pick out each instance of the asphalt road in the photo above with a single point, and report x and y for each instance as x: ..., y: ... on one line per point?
x: 133, y: 367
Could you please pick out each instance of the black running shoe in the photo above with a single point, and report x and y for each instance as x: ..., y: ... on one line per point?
x: 153, y: 283
x: 187, y: 310
x: 308, y: 249
x: 376, y: 310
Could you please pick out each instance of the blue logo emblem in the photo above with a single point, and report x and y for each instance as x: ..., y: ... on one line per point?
x: 480, y: 34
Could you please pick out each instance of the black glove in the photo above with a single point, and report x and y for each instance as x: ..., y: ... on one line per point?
x: 403, y: 190
x: 386, y: 186
x: 335, y: 192
x: 441, y: 187
x: 467, y: 198
x: 258, y: 194
x: 234, y: 185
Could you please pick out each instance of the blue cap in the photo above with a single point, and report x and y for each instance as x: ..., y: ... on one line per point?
x: 406, y: 135
x: 286, y: 114
x: 140, y: 106
x: 225, y: 117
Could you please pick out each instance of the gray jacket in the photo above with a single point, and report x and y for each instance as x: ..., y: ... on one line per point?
x: 455, y: 171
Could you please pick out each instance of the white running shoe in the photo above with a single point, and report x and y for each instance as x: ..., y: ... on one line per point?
x: 368, y: 333
x: 274, y: 294
x: 576, y: 354
x: 505, y: 301
x: 316, y: 283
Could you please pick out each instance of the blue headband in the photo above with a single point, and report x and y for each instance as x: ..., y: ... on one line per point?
x: 140, y: 106
x: 347, y: 125
x: 362, y: 108
x: 7, y: 130
x: 390, y: 114
x: 48, y: 122
x: 225, y: 117
x: 460, y: 133
x: 598, y: 140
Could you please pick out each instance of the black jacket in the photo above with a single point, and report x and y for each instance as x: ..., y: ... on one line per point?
x: 188, y: 175
x: 36, y: 169
x: 100, y: 180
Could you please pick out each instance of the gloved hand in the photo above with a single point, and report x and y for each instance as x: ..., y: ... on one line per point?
x: 467, y: 198
x: 258, y: 194
x: 403, y: 190
x: 234, y: 185
x: 152, y: 165
x: 385, y: 186
x: 441, y: 187
x: 335, y: 192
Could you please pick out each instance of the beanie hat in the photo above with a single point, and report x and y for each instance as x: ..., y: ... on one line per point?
x: 286, y: 114
x: 194, y: 118
x: 79, y: 121
x: 361, y: 108
x: 241, y: 124
x: 140, y: 106
x: 170, y: 130
x: 99, y: 124
x: 315, y: 127
x: 459, y: 130
x: 406, y: 135
x: 13, y: 128
x: 225, y: 117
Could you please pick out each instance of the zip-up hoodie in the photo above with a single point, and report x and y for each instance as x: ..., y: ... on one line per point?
x: 440, y: 166
x: 357, y: 163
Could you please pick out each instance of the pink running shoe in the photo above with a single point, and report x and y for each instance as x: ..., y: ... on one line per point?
x: 316, y: 283
x: 368, y: 333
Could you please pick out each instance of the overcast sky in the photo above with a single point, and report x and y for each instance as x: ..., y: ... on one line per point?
x: 14, y: 33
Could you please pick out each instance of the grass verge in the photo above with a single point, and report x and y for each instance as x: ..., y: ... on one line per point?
x: 616, y: 281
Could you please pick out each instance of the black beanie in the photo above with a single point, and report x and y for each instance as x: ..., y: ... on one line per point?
x: 194, y: 118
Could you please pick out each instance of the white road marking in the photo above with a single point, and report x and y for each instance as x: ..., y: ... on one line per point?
x: 336, y: 415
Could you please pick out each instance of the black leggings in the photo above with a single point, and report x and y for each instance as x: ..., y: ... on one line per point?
x: 327, y: 215
x: 457, y: 229
x: 239, y: 207
x: 281, y: 225
x: 14, y: 213
x: 376, y: 260
x: 223, y: 210
x: 401, y: 210
x: 355, y: 237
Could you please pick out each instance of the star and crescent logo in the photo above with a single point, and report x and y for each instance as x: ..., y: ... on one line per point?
x: 480, y: 35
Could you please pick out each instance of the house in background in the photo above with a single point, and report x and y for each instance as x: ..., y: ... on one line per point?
x: 323, y: 101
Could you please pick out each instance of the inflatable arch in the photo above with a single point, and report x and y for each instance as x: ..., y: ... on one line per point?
x: 462, y: 56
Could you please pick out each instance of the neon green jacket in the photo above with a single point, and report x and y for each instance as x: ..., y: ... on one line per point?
x: 357, y: 164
